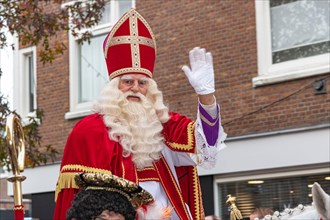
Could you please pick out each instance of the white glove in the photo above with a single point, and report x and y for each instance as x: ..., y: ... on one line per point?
x: 201, y: 74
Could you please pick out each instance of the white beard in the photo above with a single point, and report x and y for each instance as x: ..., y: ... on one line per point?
x: 138, y: 130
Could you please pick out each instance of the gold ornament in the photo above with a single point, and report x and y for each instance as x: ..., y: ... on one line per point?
x: 235, y: 213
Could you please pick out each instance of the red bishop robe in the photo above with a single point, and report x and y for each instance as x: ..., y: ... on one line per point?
x: 89, y: 149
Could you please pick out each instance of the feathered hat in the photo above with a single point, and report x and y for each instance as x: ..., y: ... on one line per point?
x: 108, y: 182
x: 130, y: 46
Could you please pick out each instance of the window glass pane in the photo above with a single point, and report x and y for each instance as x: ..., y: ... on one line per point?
x: 92, y: 69
x: 106, y: 18
x: 274, y: 3
x: 31, y: 83
x: 301, y: 52
x: 302, y: 26
x: 275, y: 194
x: 124, y: 6
x: 121, y: 6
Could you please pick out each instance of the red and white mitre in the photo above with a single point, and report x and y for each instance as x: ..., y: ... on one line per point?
x: 130, y: 46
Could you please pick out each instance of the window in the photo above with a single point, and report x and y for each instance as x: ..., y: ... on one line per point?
x: 293, y: 39
x: 274, y: 194
x: 88, y: 71
x: 3, y: 172
x: 31, y: 80
x: 25, y: 100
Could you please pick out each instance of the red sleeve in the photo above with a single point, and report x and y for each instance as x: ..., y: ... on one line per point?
x: 63, y: 203
x: 179, y: 133
x: 88, y: 149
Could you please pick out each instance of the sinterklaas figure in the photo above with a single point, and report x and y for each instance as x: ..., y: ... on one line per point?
x: 235, y: 213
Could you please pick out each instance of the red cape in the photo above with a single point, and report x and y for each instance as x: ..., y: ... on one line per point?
x: 89, y: 149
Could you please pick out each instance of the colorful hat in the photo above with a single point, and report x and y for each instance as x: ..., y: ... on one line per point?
x: 108, y: 182
x: 130, y: 47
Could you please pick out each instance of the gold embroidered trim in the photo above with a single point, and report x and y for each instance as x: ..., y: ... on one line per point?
x: 176, y: 186
x: 147, y: 168
x: 207, y: 121
x: 123, y: 167
x: 190, y: 136
x: 66, y: 179
x: 135, y: 40
x: 81, y: 168
x: 148, y: 27
x: 131, y: 13
x: 135, y: 49
x: 110, y: 190
x: 196, y: 194
x: 18, y: 208
x: 136, y: 176
x: 130, y: 70
x: 148, y: 179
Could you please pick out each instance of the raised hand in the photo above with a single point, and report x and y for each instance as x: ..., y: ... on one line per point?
x: 201, y: 73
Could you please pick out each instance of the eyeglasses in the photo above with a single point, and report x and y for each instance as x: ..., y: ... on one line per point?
x: 142, y: 83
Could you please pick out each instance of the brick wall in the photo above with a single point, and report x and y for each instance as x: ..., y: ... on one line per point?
x: 6, y: 202
x: 53, y: 95
x: 228, y: 30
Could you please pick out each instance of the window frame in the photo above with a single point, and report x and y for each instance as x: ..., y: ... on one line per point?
x: 255, y: 175
x: 5, y: 173
x: 82, y: 109
x: 269, y: 73
x: 21, y: 78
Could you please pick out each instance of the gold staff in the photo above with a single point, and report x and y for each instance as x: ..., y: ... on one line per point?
x: 15, y: 135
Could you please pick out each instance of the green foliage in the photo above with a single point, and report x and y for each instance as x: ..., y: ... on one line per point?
x: 4, y: 112
x: 36, y: 154
x: 39, y: 22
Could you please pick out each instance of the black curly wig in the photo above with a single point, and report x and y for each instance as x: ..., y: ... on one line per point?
x: 88, y: 204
